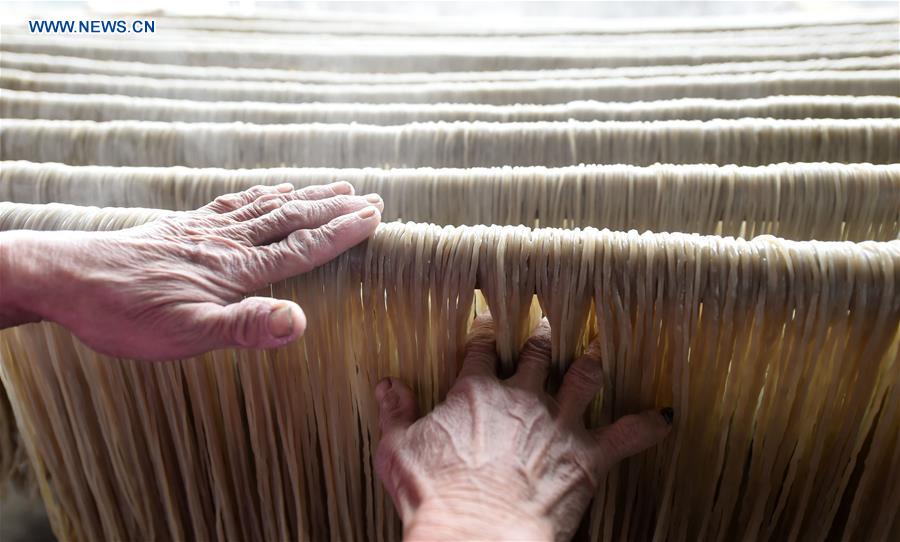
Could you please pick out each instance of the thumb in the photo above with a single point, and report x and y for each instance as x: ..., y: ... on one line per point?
x: 397, y: 407
x: 256, y: 322
x: 631, y: 435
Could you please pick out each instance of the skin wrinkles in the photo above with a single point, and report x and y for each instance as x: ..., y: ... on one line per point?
x: 502, y: 459
x: 132, y: 293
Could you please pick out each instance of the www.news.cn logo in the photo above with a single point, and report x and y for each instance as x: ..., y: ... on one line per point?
x: 95, y: 26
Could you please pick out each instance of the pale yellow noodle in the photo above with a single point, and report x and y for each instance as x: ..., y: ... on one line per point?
x: 541, y: 91
x: 747, y: 142
x: 106, y: 107
x: 69, y: 64
x: 784, y: 349
x: 797, y: 201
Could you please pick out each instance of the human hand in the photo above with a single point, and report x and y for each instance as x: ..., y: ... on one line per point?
x: 173, y: 287
x: 503, y: 459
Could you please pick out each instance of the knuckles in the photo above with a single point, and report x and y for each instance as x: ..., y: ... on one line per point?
x: 402, y: 406
x: 323, y: 210
x: 245, y: 329
x: 300, y: 242
x: 303, y: 245
x: 233, y: 202
x: 474, y: 386
x: 618, y: 439
x: 295, y: 209
x: 251, y: 194
x: 537, y: 348
x: 587, y: 374
x: 228, y: 202
x: 316, y: 210
x: 481, y: 345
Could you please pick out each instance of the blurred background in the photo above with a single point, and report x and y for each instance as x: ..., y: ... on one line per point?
x: 467, y: 9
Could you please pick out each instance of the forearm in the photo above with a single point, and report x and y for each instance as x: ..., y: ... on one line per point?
x: 27, y: 259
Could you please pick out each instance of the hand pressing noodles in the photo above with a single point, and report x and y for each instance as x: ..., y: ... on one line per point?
x: 503, y: 460
x: 173, y: 288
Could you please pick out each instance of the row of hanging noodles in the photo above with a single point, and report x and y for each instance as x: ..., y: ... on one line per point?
x: 65, y: 64
x: 754, y: 342
x: 846, y: 34
x: 548, y: 91
x: 294, y: 33
x: 506, y: 44
x: 476, y: 144
x: 61, y: 216
x: 795, y: 201
x: 749, y: 38
x: 830, y: 23
x: 104, y: 107
x: 395, y: 57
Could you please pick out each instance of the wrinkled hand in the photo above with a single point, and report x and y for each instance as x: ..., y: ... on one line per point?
x: 502, y: 459
x: 173, y: 287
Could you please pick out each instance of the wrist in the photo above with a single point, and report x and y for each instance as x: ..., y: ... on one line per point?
x: 479, y: 518
x: 26, y: 262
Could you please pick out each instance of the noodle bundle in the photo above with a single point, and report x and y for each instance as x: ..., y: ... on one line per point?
x: 529, y: 168
x: 438, y: 56
x: 825, y: 22
x: 546, y: 91
x: 69, y: 64
x: 103, y: 107
x: 248, y: 445
x: 744, y: 142
x: 797, y: 201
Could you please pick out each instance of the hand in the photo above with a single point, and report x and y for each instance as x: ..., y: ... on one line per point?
x: 173, y: 288
x: 503, y: 459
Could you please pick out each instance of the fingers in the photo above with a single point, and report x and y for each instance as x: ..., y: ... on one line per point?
x: 397, y: 408
x: 231, y: 202
x: 307, y: 249
x: 481, y: 349
x: 255, y: 322
x: 630, y: 435
x: 300, y: 215
x: 534, y: 360
x: 270, y: 202
x: 582, y: 382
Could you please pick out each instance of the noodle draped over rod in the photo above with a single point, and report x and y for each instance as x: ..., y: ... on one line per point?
x: 780, y: 357
x: 546, y: 91
x: 106, y: 107
x: 828, y: 23
x: 746, y: 142
x: 435, y: 57
x: 71, y: 64
x: 768, y: 318
x: 855, y: 202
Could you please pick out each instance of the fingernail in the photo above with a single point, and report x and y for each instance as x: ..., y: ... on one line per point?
x: 281, y: 324
x: 284, y: 187
x: 374, y: 199
x: 368, y: 212
x: 668, y: 415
